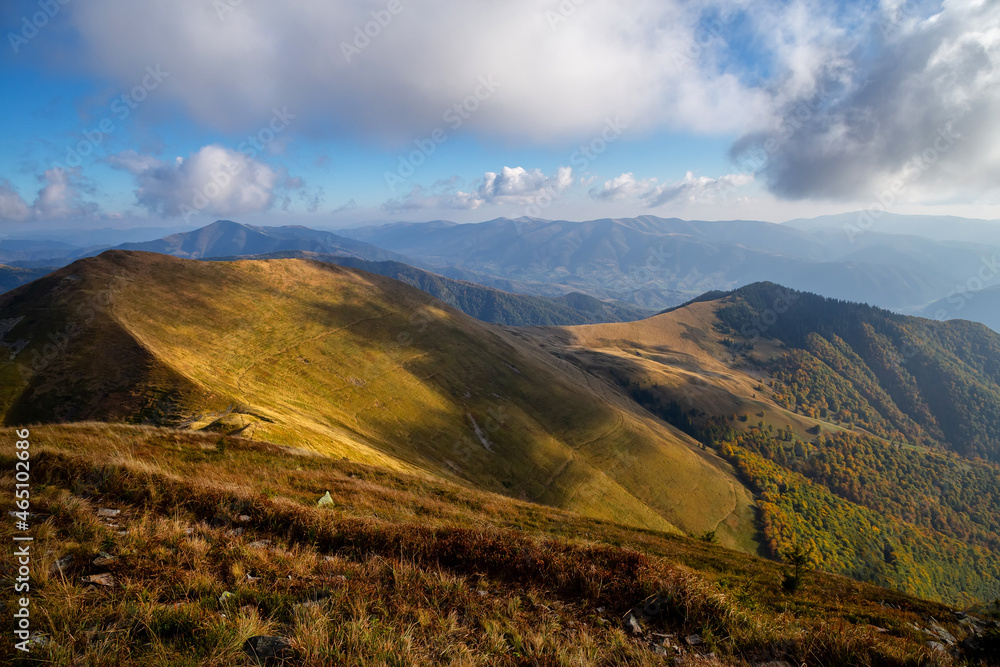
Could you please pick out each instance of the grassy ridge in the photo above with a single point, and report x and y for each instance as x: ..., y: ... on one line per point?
x: 355, y: 365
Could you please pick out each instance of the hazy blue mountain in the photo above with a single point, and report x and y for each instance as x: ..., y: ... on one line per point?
x: 224, y: 238
x: 977, y: 306
x: 656, y: 262
x: 15, y: 276
x: 935, y: 227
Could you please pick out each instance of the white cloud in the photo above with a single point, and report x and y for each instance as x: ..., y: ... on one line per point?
x: 903, y: 108
x: 690, y: 189
x: 60, y: 197
x: 602, y: 61
x: 213, y: 180
x: 511, y: 186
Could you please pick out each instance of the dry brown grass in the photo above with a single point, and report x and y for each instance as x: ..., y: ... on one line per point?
x: 402, y: 571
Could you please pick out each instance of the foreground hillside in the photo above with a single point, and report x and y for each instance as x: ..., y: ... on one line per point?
x: 869, y: 439
x: 159, y: 546
x: 353, y: 365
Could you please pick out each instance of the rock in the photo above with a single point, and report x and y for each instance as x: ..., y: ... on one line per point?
x: 234, y: 532
x: 104, y: 559
x: 106, y: 512
x: 693, y: 640
x: 942, y: 634
x: 633, y: 624
x: 61, y: 565
x: 267, y: 650
x: 243, y: 518
x: 37, y: 640
x: 260, y: 544
x: 327, y: 499
x: 103, y: 579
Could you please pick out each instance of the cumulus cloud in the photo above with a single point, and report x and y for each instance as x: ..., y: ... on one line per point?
x: 511, y: 186
x: 830, y: 100
x: 552, y: 78
x: 213, y: 180
x: 60, y: 197
x: 905, y: 104
x: 652, y: 193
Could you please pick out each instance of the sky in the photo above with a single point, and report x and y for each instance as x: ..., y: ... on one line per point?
x: 329, y: 114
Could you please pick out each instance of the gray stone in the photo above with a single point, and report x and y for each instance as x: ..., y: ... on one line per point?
x: 61, y: 565
x: 268, y: 650
x: 106, y: 512
x: 103, y: 579
x: 104, y: 559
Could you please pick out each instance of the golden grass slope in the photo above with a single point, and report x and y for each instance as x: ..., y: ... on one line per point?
x: 216, y: 539
x: 352, y: 365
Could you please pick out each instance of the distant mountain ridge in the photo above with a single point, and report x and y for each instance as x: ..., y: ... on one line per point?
x: 658, y: 263
x: 225, y: 238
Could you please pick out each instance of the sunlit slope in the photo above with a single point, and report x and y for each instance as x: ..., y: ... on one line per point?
x: 355, y: 365
x: 864, y: 435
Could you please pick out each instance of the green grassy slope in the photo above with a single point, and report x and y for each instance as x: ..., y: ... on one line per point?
x: 356, y: 365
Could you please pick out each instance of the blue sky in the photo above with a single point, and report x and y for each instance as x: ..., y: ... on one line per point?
x: 154, y: 113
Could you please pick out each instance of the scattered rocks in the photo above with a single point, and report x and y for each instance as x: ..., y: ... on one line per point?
x: 104, y: 559
x: 103, y: 579
x: 942, y: 634
x: 327, y: 499
x: 61, y: 565
x: 268, y: 650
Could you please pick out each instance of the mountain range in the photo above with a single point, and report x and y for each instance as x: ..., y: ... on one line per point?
x: 683, y: 422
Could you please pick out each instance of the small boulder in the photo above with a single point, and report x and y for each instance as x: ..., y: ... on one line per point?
x: 61, y: 565
x: 327, y: 499
x: 103, y: 579
x: 104, y: 559
x: 268, y: 650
